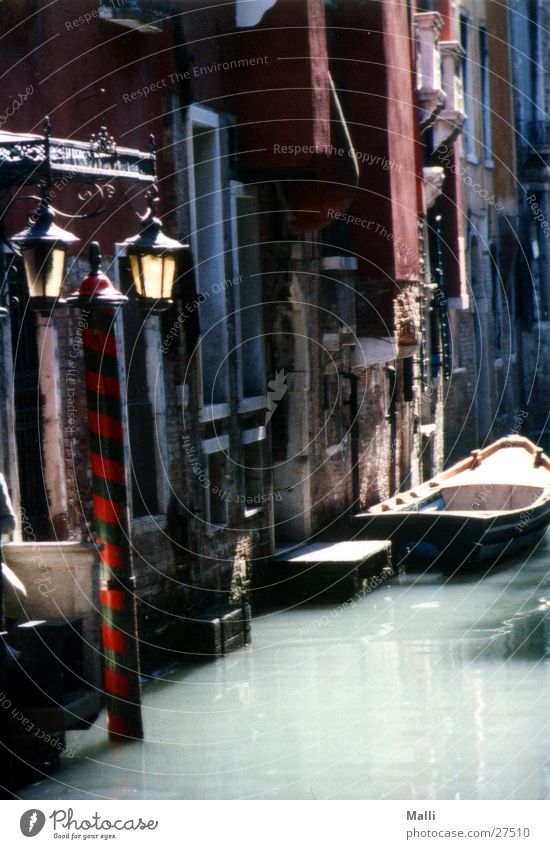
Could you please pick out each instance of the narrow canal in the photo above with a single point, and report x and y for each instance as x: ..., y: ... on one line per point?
x: 427, y: 688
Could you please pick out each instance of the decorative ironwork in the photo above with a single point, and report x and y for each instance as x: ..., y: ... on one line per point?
x: 105, y: 200
x: 22, y: 152
x: 102, y: 144
x: 152, y: 197
x: 43, y: 160
x: 153, y: 152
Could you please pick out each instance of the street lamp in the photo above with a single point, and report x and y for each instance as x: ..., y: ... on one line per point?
x: 44, y: 248
x: 153, y: 258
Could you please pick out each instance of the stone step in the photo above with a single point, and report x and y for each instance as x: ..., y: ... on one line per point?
x: 217, y: 631
x: 336, y: 558
x: 326, y: 571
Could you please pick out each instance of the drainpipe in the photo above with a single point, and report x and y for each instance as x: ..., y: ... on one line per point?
x: 354, y: 433
x: 392, y: 419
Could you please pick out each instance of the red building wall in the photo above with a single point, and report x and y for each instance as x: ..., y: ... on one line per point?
x: 372, y: 43
x: 66, y: 64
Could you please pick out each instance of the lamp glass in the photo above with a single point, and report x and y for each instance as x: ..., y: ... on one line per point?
x: 45, y: 268
x: 169, y: 274
x: 136, y: 274
x: 153, y: 275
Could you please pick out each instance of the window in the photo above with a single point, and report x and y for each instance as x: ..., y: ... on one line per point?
x: 253, y: 469
x: 468, y: 135
x: 249, y: 14
x: 216, y: 485
x: 535, y: 94
x: 216, y: 476
x: 247, y: 290
x: 485, y: 93
x: 253, y: 473
x: 205, y: 180
x: 492, y: 273
x: 537, y: 246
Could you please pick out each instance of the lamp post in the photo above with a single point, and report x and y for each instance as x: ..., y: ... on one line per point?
x: 43, y: 246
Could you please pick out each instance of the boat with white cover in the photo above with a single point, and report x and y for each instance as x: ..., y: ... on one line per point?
x: 489, y: 505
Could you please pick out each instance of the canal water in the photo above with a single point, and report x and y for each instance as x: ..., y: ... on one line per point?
x: 426, y: 688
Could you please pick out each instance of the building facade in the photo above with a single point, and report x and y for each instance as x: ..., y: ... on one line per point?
x: 363, y: 189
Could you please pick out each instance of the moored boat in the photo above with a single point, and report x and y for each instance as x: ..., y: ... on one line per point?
x: 485, y: 507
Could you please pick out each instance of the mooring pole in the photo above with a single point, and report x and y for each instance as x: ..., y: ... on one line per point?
x: 112, y: 520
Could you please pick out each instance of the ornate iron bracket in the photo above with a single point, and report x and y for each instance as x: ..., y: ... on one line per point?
x: 42, y: 160
x: 102, y: 144
x: 105, y: 201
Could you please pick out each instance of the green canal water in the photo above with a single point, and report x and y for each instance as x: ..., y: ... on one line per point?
x: 427, y: 688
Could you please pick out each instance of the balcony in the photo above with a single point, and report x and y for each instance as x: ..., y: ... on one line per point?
x: 429, y: 93
x: 448, y: 124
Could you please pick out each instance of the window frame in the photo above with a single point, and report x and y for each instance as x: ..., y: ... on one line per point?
x: 255, y: 436
x: 218, y: 445
x: 200, y: 116
x: 485, y: 89
x: 257, y: 400
x: 468, y: 135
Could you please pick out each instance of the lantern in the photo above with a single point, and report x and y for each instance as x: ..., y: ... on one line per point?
x: 44, y: 248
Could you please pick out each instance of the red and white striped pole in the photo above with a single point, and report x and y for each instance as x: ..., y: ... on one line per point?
x: 112, y: 522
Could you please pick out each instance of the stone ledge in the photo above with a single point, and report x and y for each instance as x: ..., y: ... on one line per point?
x: 217, y: 631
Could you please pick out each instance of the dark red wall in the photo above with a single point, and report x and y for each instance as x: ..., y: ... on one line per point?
x: 372, y: 41
x: 283, y: 100
x: 67, y: 66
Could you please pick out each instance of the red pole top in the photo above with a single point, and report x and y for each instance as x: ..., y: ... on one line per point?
x: 97, y: 289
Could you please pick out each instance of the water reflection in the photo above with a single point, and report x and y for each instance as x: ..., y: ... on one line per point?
x: 428, y: 688
x: 526, y: 636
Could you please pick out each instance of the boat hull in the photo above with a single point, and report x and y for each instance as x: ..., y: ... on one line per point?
x: 450, y: 540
